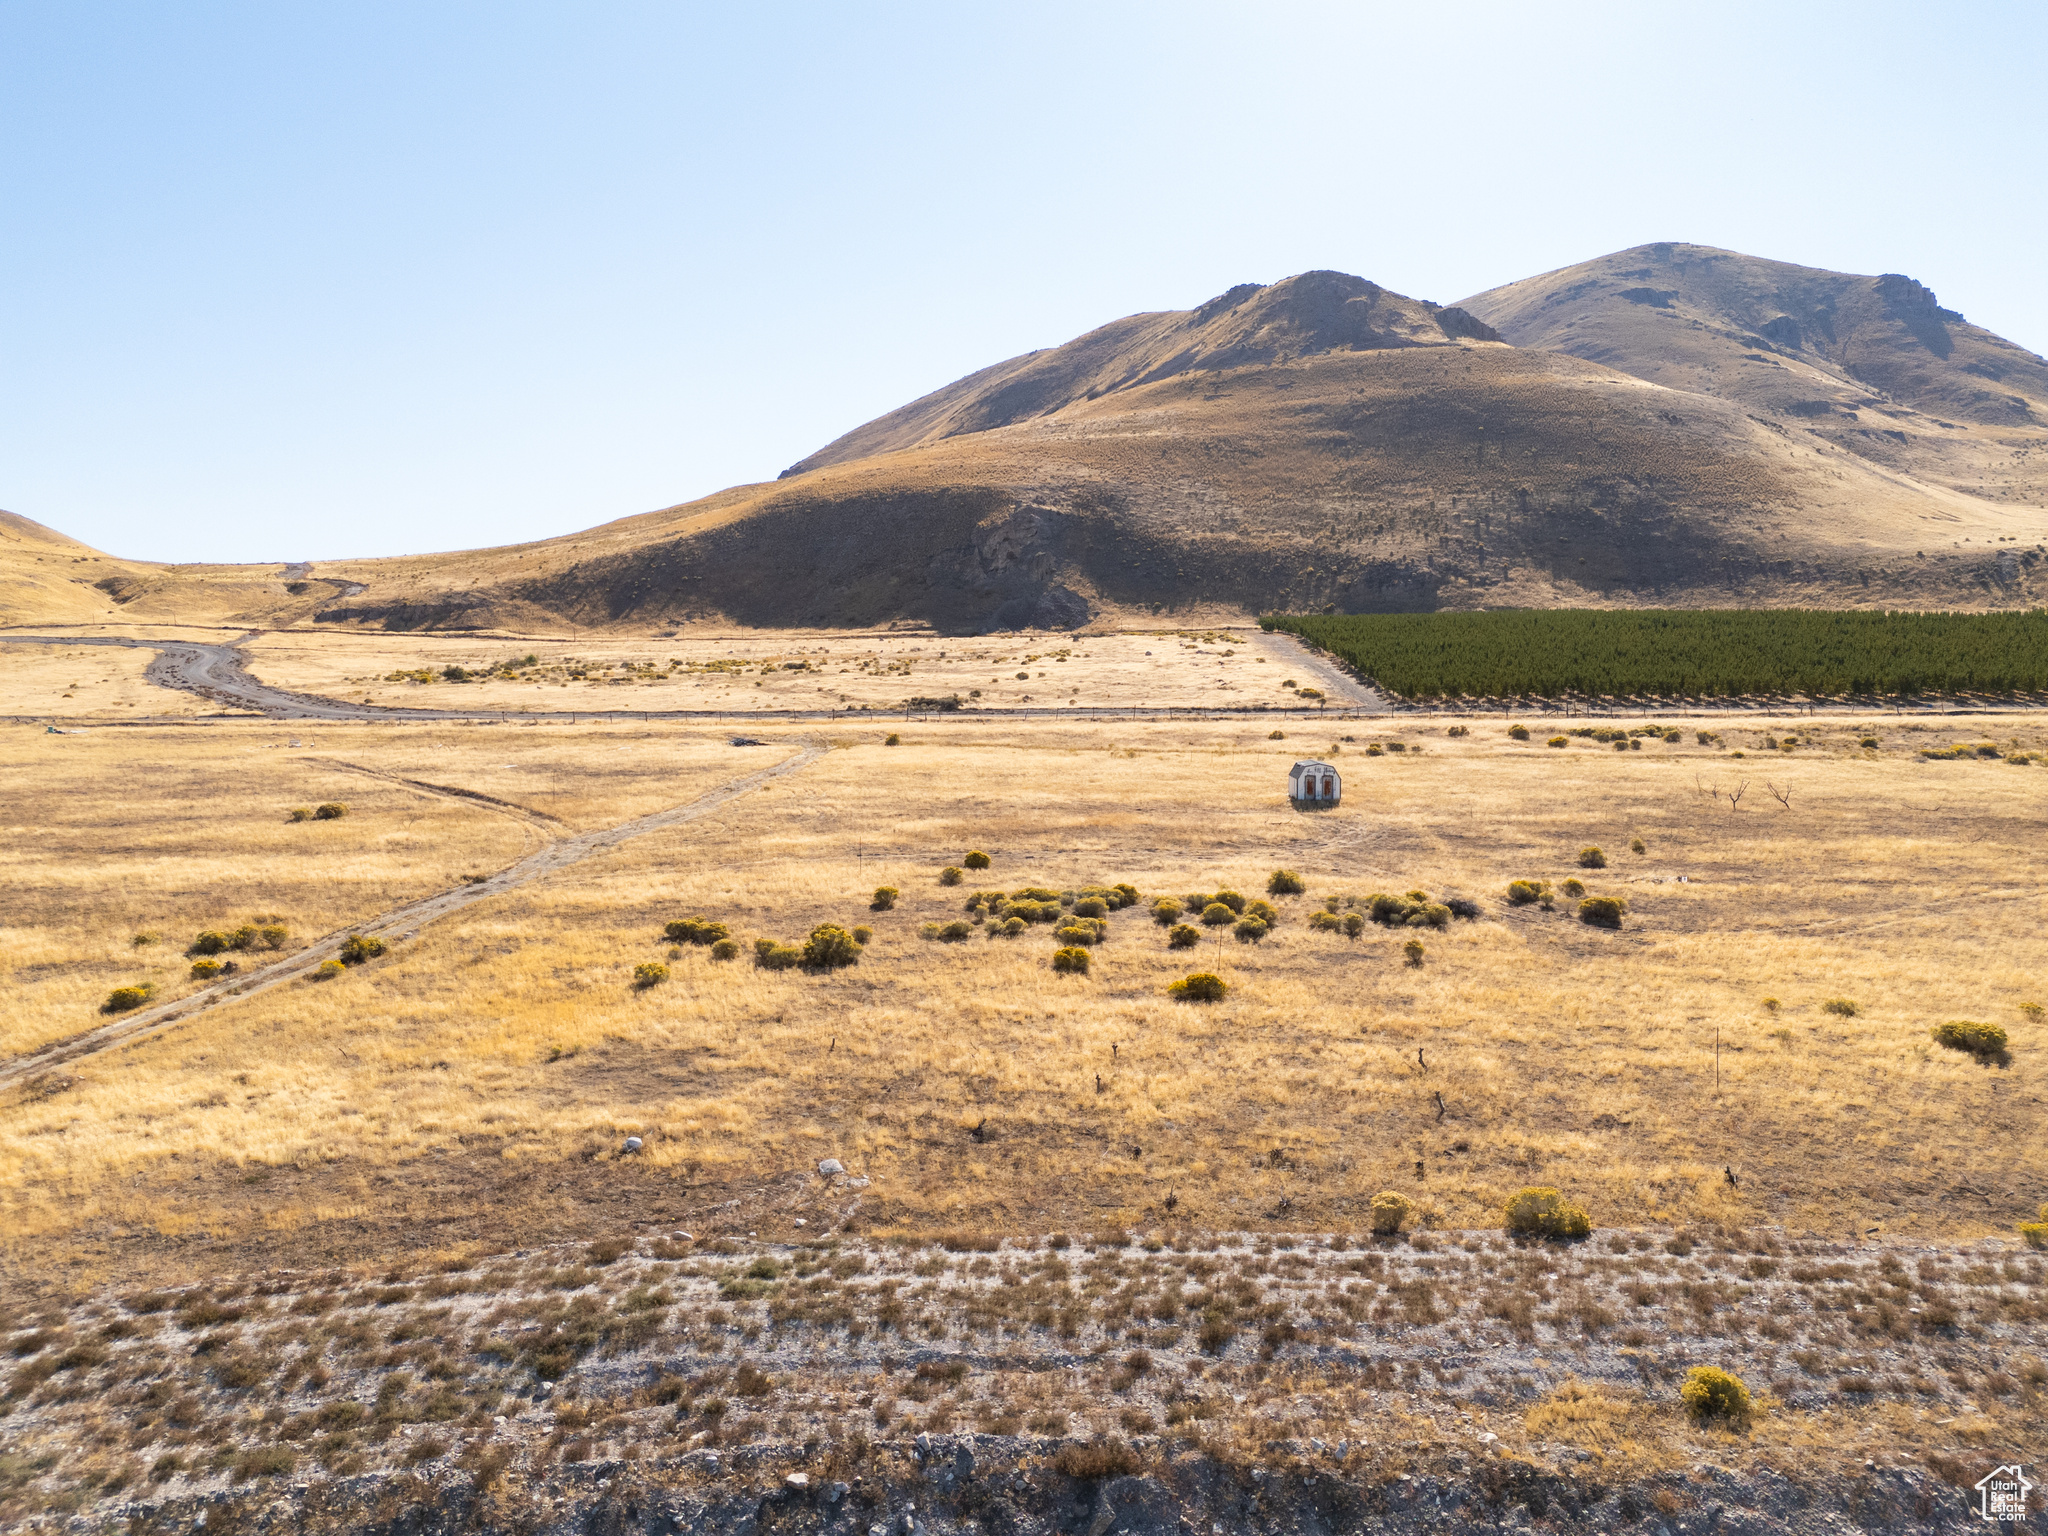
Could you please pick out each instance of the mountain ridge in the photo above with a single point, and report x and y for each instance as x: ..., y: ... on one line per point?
x: 1247, y: 325
x: 1672, y: 425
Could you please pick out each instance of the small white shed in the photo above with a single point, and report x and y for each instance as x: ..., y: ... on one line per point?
x: 1314, y: 783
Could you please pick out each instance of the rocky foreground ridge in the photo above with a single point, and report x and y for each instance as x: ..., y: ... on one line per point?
x: 1170, y: 1382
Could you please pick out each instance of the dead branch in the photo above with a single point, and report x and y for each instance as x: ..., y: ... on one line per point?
x: 1782, y: 796
x: 1735, y: 796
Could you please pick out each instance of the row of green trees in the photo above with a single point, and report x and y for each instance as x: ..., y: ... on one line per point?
x: 1683, y: 653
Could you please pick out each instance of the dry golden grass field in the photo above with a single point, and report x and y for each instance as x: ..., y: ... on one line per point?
x: 79, y: 682
x: 809, y: 670
x: 473, y: 1086
x: 388, y: 1222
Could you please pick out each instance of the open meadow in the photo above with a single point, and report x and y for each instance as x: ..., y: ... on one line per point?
x: 703, y: 668
x: 408, y: 1181
x: 1526, y: 1046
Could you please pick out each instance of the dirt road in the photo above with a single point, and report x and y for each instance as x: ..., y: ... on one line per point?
x: 400, y: 923
x: 217, y: 670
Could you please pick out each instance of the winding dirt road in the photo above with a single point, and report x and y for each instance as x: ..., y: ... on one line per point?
x: 218, y: 671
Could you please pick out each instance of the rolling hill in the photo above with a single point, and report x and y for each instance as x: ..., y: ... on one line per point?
x: 1671, y: 426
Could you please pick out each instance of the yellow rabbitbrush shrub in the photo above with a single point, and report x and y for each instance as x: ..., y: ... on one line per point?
x: 1602, y: 911
x: 1072, y: 960
x: 830, y: 945
x: 2036, y: 1232
x: 1980, y: 1040
x: 695, y: 930
x: 1390, y: 1210
x: 1711, y: 1393
x: 1543, y: 1212
x: 1201, y: 987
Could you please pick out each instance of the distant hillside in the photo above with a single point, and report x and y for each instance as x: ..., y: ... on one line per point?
x: 1673, y: 427
x: 1871, y: 365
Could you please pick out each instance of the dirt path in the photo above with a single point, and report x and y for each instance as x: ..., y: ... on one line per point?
x: 401, y: 923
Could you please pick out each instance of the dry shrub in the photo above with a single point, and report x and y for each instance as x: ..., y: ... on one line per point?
x: 771, y: 956
x: 1519, y: 732
x: 695, y: 930
x: 1390, y: 1211
x: 726, y: 949
x: 1592, y: 858
x: 1984, y: 1041
x: 1249, y: 930
x: 1165, y: 911
x: 1072, y: 960
x: 1543, y: 1212
x: 333, y: 810
x: 1183, y: 936
x: 329, y: 969
x: 1201, y: 987
x: 650, y: 974
x: 976, y: 859
x: 885, y: 898
x: 121, y: 999
x: 264, y: 1461
x: 950, y: 875
x: 1284, y: 882
x: 1711, y: 1393
x: 1580, y: 1413
x: 831, y: 945
x: 1841, y: 1007
x: 1602, y: 911
x: 205, y: 970
x: 1096, y: 1459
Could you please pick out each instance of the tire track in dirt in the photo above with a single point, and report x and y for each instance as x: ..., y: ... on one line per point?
x: 550, y: 826
x: 398, y: 924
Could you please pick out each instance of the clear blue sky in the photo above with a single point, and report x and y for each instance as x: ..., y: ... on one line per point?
x: 304, y: 280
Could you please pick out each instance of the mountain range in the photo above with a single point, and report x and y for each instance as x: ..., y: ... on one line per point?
x: 1672, y: 425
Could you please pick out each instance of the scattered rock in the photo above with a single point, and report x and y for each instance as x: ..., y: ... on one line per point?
x: 632, y: 1143
x: 798, y: 1480
x: 831, y: 1166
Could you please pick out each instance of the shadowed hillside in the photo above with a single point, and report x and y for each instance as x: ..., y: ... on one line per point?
x: 1674, y: 427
